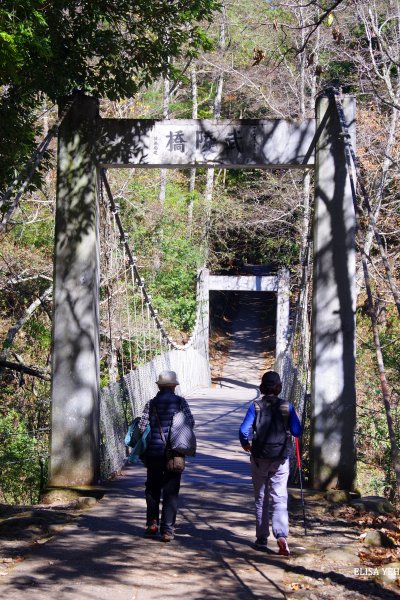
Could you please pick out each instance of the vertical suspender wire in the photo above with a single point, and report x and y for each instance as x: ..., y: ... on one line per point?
x: 134, y: 285
x: 120, y: 269
x: 378, y: 237
x: 372, y: 313
x: 143, y: 332
x: 108, y: 272
x: 163, y: 337
x: 127, y: 308
x: 155, y: 333
x: 155, y: 336
x: 116, y: 266
x: 149, y: 326
x: 121, y: 341
x: 139, y: 279
x: 112, y: 241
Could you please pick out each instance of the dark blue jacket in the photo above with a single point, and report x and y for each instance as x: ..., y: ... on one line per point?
x: 167, y: 404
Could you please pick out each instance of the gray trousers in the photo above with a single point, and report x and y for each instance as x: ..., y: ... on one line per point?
x: 270, y: 479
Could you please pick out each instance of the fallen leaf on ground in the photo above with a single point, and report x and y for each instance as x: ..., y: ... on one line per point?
x: 296, y: 586
x: 378, y: 556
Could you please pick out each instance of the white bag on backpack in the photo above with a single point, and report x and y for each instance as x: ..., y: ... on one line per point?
x: 181, y: 436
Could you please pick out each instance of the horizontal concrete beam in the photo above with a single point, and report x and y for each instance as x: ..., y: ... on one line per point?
x: 202, y: 143
x: 244, y: 283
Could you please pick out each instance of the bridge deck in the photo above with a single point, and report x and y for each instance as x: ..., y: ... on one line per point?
x: 105, y: 555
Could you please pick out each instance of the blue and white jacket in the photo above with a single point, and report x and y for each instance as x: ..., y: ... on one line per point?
x: 246, y: 428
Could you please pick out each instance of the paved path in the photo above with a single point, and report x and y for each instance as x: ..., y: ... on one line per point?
x: 104, y: 554
x: 252, y: 340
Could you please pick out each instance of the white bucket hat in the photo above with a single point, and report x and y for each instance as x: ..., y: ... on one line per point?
x: 167, y: 378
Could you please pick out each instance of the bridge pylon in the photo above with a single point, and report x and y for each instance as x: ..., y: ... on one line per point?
x: 74, y: 451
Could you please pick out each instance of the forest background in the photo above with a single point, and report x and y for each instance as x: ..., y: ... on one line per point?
x: 200, y: 59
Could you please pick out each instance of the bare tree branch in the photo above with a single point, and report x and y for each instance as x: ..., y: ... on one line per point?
x: 12, y: 332
x: 34, y: 371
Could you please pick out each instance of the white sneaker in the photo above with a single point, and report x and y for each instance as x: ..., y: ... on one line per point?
x: 283, y: 547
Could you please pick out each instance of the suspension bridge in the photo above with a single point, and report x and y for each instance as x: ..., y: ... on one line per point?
x: 88, y: 145
x: 89, y: 423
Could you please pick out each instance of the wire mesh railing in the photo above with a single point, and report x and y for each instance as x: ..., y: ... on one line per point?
x: 125, y: 399
x: 143, y: 347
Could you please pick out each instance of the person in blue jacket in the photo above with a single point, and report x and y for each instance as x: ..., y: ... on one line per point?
x: 265, y: 434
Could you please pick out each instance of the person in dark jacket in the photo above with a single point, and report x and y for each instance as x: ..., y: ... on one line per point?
x: 159, y: 412
x: 270, y: 423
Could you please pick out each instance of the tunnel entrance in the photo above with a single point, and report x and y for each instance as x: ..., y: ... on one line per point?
x: 242, y: 336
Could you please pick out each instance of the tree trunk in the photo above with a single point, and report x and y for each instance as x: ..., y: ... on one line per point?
x: 163, y: 178
x: 381, y: 184
x: 217, y: 115
x: 192, y: 181
x: 163, y: 172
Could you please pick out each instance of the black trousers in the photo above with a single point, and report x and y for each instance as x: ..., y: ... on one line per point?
x: 160, y: 481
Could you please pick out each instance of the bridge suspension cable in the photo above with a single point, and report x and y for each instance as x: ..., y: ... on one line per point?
x: 154, y: 332
x: 351, y: 157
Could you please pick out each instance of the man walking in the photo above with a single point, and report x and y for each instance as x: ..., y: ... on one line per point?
x: 270, y: 421
x: 159, y: 412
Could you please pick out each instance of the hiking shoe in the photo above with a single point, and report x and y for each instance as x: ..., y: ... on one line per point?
x: 167, y: 537
x: 283, y: 547
x: 151, y: 530
x: 261, y: 543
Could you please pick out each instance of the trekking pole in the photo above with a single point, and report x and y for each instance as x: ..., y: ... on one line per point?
x: 301, y: 483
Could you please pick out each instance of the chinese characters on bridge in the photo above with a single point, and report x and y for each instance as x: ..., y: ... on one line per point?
x: 208, y: 143
x: 205, y: 142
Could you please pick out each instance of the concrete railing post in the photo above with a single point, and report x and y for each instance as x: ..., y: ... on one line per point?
x: 333, y: 340
x: 74, y: 451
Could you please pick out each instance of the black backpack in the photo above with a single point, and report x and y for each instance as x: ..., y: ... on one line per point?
x: 270, y: 432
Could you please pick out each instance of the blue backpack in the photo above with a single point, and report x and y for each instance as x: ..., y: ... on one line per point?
x: 136, y: 440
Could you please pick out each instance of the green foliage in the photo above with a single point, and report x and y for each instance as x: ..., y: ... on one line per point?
x: 109, y: 49
x: 174, y: 286
x: 39, y: 334
x: 390, y: 341
x: 24, y: 39
x: 339, y: 73
x: 373, y: 445
x: 38, y: 234
x: 18, y: 133
x: 20, y: 469
x: 254, y: 221
x: 106, y: 49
